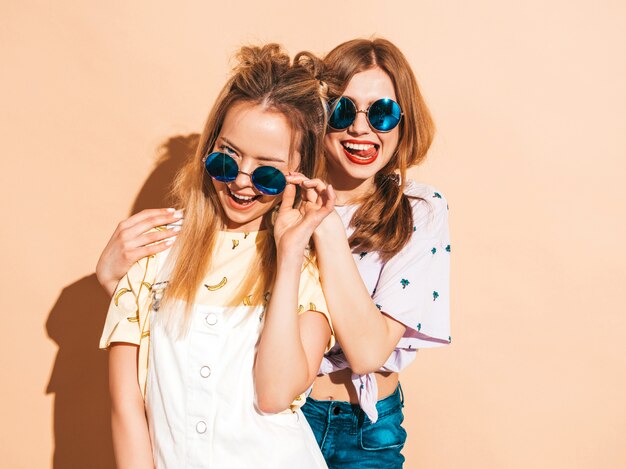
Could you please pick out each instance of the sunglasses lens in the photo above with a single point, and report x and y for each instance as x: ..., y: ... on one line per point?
x: 221, y: 167
x: 343, y: 114
x: 384, y: 114
x: 268, y: 180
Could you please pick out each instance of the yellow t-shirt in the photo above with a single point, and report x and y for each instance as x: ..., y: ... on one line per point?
x: 235, y: 254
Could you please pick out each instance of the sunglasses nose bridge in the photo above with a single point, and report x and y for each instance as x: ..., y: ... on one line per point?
x: 243, y: 180
x: 360, y: 124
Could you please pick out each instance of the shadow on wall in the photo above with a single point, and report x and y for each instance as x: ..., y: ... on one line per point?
x: 82, y: 427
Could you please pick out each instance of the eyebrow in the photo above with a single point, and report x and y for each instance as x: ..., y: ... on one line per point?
x: 370, y: 102
x: 260, y: 158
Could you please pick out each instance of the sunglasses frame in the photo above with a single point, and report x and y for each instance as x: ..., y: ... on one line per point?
x: 336, y: 101
x: 262, y: 189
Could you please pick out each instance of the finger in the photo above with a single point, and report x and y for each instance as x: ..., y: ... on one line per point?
x: 331, y: 198
x: 309, y: 195
x: 296, y: 178
x: 151, y: 250
x: 314, y: 183
x: 289, y: 197
x: 150, y: 213
x: 154, y: 237
x: 319, y: 187
x: 129, y: 234
x: 316, y: 186
x: 326, y: 203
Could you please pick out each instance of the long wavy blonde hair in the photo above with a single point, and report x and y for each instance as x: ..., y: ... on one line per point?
x: 263, y: 76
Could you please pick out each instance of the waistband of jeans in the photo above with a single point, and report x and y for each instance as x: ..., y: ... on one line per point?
x: 385, y: 406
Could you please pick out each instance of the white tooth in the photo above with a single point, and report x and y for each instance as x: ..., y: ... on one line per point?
x: 358, y: 146
x: 241, y: 197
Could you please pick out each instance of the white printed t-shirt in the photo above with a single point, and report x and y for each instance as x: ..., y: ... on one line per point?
x: 413, y: 287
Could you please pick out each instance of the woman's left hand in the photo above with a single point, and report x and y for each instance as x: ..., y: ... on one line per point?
x: 294, y: 226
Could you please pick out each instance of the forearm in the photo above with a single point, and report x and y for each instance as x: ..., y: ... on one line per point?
x: 281, y: 371
x: 367, y: 337
x: 131, y: 439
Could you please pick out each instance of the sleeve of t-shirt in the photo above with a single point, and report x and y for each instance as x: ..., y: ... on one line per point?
x: 311, y: 297
x: 414, y: 285
x: 130, y: 302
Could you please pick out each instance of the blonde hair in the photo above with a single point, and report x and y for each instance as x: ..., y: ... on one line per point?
x: 263, y: 76
x: 384, y: 220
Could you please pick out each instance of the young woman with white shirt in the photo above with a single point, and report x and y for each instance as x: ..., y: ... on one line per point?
x: 224, y: 332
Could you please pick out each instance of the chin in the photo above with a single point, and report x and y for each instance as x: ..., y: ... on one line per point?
x: 356, y: 170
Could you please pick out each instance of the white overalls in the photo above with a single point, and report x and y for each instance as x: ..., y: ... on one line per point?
x: 200, y: 398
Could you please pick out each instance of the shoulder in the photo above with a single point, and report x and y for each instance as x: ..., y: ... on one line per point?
x: 425, y: 191
x: 430, y: 209
x: 146, y: 269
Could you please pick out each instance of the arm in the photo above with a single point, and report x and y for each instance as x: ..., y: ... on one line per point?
x: 413, y: 287
x: 131, y: 440
x: 367, y: 337
x: 133, y: 240
x: 291, y: 346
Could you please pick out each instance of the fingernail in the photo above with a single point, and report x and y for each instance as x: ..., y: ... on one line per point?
x: 176, y: 229
x: 170, y: 241
x: 178, y: 214
x: 171, y: 210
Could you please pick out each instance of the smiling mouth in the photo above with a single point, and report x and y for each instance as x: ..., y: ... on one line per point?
x: 360, y: 153
x: 241, y: 200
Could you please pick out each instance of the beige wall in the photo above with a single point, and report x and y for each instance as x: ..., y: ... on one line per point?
x: 99, y: 100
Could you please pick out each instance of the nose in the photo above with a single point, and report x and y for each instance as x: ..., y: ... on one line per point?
x: 243, y: 180
x: 360, y: 126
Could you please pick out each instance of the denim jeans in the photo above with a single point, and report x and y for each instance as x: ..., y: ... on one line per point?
x: 348, y: 439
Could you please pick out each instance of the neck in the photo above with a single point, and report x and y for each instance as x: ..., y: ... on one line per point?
x: 349, y: 189
x: 251, y: 226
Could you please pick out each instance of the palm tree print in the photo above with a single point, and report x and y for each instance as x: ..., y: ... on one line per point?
x: 433, y: 250
x: 437, y: 195
x: 404, y: 283
x: 435, y: 295
x: 448, y: 248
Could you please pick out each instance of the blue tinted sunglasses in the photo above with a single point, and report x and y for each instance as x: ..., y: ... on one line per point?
x: 383, y: 114
x: 267, y: 179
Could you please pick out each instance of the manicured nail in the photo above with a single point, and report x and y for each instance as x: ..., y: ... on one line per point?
x: 169, y: 226
x: 171, y: 210
x: 170, y: 241
x: 178, y: 214
x: 176, y: 229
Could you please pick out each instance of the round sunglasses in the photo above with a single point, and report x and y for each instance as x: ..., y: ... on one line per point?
x: 222, y: 167
x: 383, y: 114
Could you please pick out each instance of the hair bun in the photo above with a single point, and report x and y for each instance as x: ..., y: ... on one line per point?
x: 269, y: 55
x: 315, y: 67
x: 311, y: 63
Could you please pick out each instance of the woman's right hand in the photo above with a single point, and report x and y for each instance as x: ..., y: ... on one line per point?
x: 331, y: 225
x: 294, y: 226
x: 133, y: 240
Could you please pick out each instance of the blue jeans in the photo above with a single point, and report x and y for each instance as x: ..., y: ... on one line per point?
x: 348, y: 438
